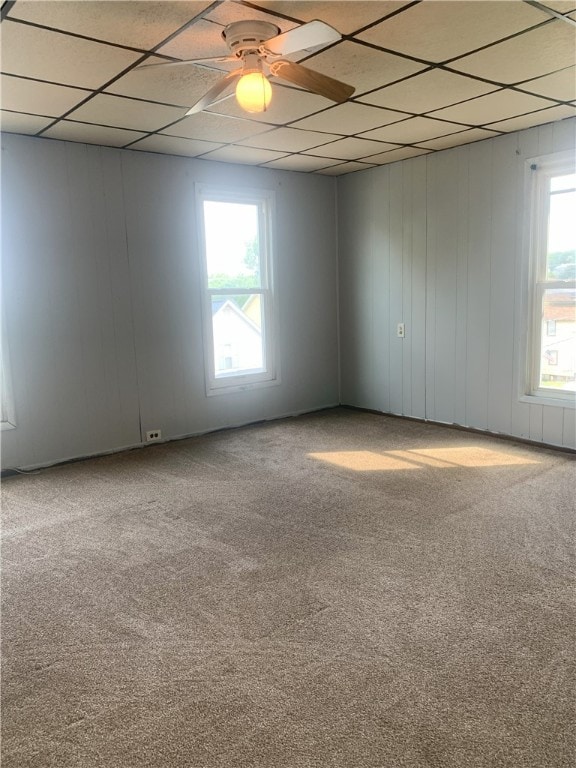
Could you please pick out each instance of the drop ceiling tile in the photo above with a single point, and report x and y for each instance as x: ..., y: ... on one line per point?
x: 562, y: 6
x: 529, y: 55
x: 416, y: 129
x: 351, y: 149
x: 349, y: 118
x: 535, y: 118
x: 171, y: 145
x: 91, y: 134
x: 346, y: 17
x: 361, y: 66
x: 181, y: 86
x: 286, y: 106
x: 439, y: 31
x: 456, y: 139
x: 209, y: 127
x: 201, y: 39
x: 227, y: 13
x: 34, y: 97
x: 288, y: 140
x: 559, y: 85
x: 39, y: 53
x: 302, y: 163
x: 396, y: 154
x: 495, y: 106
x: 340, y: 170
x: 246, y: 155
x: 126, y: 113
x: 429, y: 90
x: 16, y: 122
x: 138, y: 24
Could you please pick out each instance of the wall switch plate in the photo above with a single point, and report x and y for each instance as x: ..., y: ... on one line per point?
x: 153, y: 435
x: 400, y: 330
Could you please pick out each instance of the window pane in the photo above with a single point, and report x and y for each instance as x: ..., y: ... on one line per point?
x: 237, y: 329
x: 563, y: 182
x: 561, y: 256
x: 232, y: 244
x: 558, y: 351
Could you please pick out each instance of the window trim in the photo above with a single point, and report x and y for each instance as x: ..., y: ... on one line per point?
x: 270, y: 376
x: 540, y: 170
x: 7, y: 409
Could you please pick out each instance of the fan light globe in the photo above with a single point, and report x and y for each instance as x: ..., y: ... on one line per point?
x: 254, y: 92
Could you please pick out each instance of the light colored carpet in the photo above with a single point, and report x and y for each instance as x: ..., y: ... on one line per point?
x: 339, y: 590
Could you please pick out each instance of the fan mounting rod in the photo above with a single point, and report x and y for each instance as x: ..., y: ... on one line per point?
x: 247, y: 36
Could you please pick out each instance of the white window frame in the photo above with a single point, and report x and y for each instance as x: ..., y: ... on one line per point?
x: 238, y: 382
x: 540, y: 170
x: 7, y: 412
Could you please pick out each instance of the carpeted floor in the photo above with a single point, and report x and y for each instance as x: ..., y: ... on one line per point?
x: 339, y: 590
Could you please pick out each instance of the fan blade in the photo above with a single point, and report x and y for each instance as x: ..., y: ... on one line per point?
x: 188, y: 61
x: 212, y: 95
x: 312, y: 81
x: 307, y: 36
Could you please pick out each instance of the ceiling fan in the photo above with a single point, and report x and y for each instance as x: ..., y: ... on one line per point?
x: 259, y: 47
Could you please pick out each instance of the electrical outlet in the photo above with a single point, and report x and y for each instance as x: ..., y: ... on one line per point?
x: 153, y: 435
x: 400, y: 330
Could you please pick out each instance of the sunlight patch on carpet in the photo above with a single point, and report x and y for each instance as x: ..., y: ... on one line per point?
x: 466, y: 456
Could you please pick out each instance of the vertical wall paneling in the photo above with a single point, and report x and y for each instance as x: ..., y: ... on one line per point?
x: 527, y: 146
x: 66, y: 301
x: 536, y: 422
x: 380, y: 227
x: 502, y: 274
x: 462, y: 213
x: 553, y: 425
x: 306, y: 282
x: 569, y: 428
x: 356, y: 300
x: 417, y: 277
x: 382, y: 252
x: 458, y: 271
x: 407, y: 255
x: 478, y: 320
x: 160, y: 216
x: 430, y: 291
x: 442, y: 281
x: 395, y: 305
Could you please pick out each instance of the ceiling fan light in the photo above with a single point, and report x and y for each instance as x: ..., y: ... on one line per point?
x: 254, y: 92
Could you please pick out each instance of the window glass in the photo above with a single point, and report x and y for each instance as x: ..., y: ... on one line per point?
x: 232, y: 244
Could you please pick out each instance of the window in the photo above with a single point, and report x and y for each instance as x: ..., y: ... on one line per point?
x: 553, y: 278
x: 239, y: 321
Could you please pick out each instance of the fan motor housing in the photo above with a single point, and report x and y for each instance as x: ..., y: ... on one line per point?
x: 244, y: 36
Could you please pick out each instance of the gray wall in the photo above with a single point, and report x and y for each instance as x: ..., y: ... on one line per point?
x: 439, y: 243
x: 101, y: 298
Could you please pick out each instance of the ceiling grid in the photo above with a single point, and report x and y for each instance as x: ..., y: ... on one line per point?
x: 428, y: 75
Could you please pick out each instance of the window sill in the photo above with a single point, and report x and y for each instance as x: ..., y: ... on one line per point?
x: 241, y: 387
x: 547, y: 400
x: 6, y: 425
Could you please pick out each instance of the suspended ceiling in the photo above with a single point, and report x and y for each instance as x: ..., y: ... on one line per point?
x: 428, y: 76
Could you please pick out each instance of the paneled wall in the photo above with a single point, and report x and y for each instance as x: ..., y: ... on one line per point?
x: 439, y: 242
x: 101, y: 298
x: 101, y: 295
